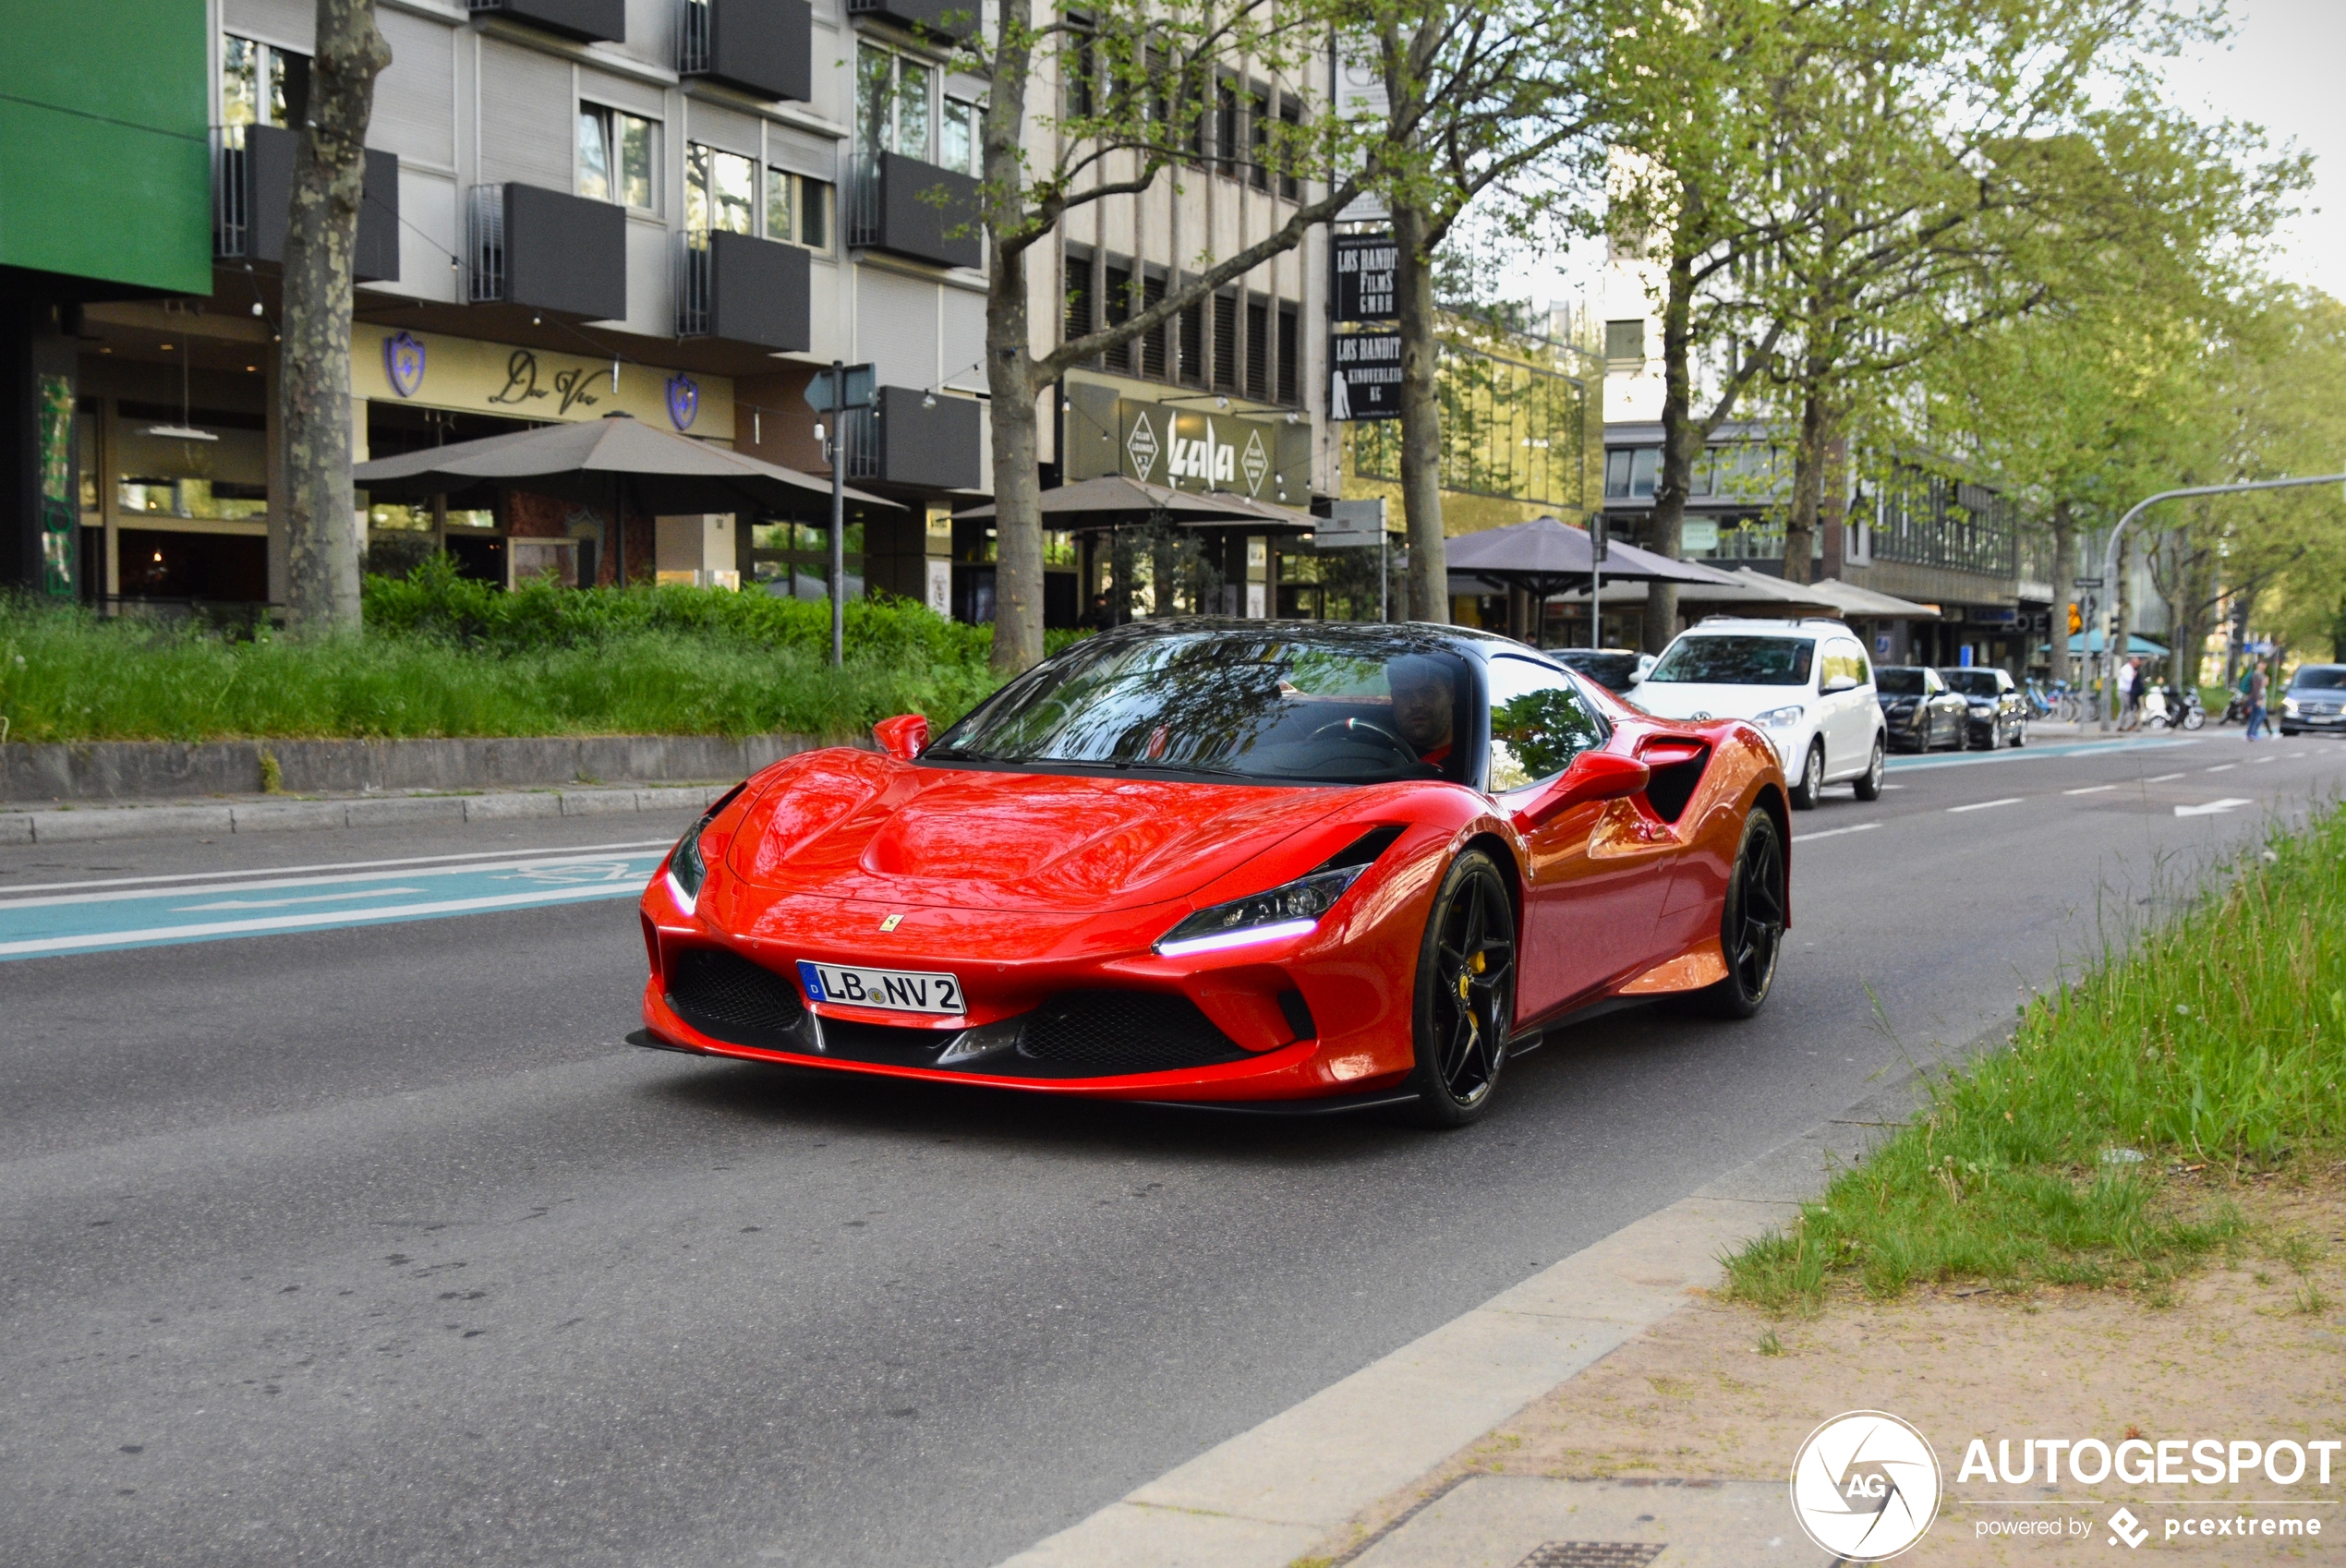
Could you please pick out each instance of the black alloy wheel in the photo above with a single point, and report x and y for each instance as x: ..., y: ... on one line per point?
x: 1465, y: 994
x: 1870, y: 781
x: 1809, y: 788
x: 1751, y: 925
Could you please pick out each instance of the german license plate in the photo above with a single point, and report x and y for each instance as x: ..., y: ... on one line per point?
x: 897, y: 990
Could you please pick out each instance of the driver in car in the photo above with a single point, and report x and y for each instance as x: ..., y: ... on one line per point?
x: 1424, y: 693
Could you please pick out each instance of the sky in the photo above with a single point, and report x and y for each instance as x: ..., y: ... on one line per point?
x: 2281, y: 71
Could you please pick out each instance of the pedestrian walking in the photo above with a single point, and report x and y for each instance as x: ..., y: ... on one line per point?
x: 2256, y: 686
x: 2130, y: 681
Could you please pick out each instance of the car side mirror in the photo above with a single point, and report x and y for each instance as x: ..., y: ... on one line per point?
x: 1840, y: 683
x: 904, y: 737
x: 1593, y: 776
x: 1637, y: 677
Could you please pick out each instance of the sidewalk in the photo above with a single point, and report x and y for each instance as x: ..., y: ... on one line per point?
x: 270, y: 813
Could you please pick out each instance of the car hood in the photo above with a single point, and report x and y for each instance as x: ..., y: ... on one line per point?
x: 852, y: 825
x: 1687, y: 699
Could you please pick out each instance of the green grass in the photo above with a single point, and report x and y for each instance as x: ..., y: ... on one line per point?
x: 441, y: 656
x: 2218, y: 1041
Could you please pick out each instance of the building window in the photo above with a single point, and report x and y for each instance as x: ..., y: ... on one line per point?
x: 1624, y: 342
x: 961, y: 149
x: 1116, y: 292
x: 1155, y: 362
x: 261, y: 85
x: 1192, y: 346
x: 893, y: 104
x: 1509, y: 428
x: 1258, y: 349
x: 1291, y: 352
x: 615, y: 155
x: 1225, y: 342
x: 721, y: 191
x: 1258, y: 140
x: 1630, y: 473
x: 1225, y: 124
x: 798, y: 209
x: 1290, y: 113
x: 1080, y: 317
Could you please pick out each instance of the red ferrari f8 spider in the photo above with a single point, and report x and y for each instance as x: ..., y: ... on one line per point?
x: 1234, y: 862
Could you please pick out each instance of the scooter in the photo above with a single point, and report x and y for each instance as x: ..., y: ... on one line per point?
x: 2167, y: 708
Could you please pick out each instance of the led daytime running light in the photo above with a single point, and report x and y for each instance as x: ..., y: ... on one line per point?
x: 1292, y: 909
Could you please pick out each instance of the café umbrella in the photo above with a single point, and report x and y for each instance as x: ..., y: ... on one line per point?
x: 616, y: 461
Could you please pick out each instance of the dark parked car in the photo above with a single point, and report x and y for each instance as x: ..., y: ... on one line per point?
x: 2316, y: 700
x: 1613, y: 668
x: 1998, y: 714
x: 1922, y: 714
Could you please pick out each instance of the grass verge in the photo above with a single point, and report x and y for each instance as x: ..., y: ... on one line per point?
x: 2078, y: 1154
x: 443, y: 657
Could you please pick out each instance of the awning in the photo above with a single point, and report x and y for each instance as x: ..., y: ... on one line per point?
x: 1115, y: 501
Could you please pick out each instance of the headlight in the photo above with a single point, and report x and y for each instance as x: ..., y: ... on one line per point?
x: 1289, y: 911
x: 687, y: 868
x: 2289, y: 706
x: 1776, y: 718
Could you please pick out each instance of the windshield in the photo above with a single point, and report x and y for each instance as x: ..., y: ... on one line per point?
x: 1971, y: 682
x: 2319, y: 678
x: 1273, y: 706
x: 1737, y: 661
x: 1611, y: 670
x: 1892, y: 682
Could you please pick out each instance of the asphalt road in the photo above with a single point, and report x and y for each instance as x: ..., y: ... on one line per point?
x: 372, y: 1244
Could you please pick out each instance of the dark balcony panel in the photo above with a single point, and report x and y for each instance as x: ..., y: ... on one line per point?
x: 932, y: 449
x: 947, y: 18
x: 253, y: 199
x: 590, y: 21
x: 557, y: 252
x: 764, y: 47
x: 909, y: 208
x: 757, y: 292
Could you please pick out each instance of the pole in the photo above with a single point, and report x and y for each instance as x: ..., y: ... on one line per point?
x: 1596, y: 604
x: 1384, y: 575
x: 838, y: 512
x: 2108, y: 704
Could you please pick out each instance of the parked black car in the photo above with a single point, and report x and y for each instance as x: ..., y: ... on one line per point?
x: 1922, y: 714
x: 1999, y: 713
x: 2316, y: 701
x: 1610, y: 668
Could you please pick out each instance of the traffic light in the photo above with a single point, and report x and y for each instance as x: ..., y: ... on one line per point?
x: 2077, y: 621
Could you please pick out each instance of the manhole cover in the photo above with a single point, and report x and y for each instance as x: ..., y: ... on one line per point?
x: 1592, y: 1554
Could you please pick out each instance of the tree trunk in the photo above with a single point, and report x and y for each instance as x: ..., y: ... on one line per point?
x: 1420, y: 420
x: 1682, y: 442
x: 1808, y: 465
x: 1017, y: 485
x: 2064, y: 571
x: 322, y: 236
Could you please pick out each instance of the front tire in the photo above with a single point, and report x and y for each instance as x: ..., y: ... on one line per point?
x: 1751, y: 924
x: 1870, y: 781
x: 1465, y: 1001
x: 1811, y: 786
x: 2020, y: 732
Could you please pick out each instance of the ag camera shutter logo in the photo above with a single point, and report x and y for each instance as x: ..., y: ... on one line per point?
x: 1865, y: 1486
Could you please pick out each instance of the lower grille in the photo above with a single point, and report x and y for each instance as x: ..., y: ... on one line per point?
x: 1104, y: 1033
x: 728, y: 997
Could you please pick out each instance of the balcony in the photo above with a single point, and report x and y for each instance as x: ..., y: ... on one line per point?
x: 765, y: 48
x: 547, y: 250
x: 742, y: 290
x: 590, y: 21
x: 903, y: 442
x: 946, y: 19
x: 251, y: 192
x: 908, y: 208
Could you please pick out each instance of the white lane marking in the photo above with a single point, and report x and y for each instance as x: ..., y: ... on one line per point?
x: 2223, y: 767
x: 1894, y: 786
x: 2212, y: 807
x: 281, y: 903
x: 2260, y: 762
x: 1983, y: 805
x: 2091, y: 790
x: 509, y: 862
x: 2296, y: 753
x: 298, y: 921
x: 1836, y: 832
x: 2163, y: 779
x: 8, y: 892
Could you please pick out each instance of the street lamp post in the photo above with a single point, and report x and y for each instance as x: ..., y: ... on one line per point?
x: 2108, y: 704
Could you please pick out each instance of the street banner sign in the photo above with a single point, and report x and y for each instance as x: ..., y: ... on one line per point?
x: 1351, y: 525
x: 2089, y: 582
x: 862, y: 390
x: 1366, y: 384
x: 1364, y: 278
x: 1599, y: 537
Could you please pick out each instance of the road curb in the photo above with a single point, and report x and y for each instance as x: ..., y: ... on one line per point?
x: 1271, y: 1494
x: 92, y: 824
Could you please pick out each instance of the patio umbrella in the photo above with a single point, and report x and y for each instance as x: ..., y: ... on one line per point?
x: 1115, y: 501
x: 612, y: 460
x: 1545, y: 556
x: 1764, y: 594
